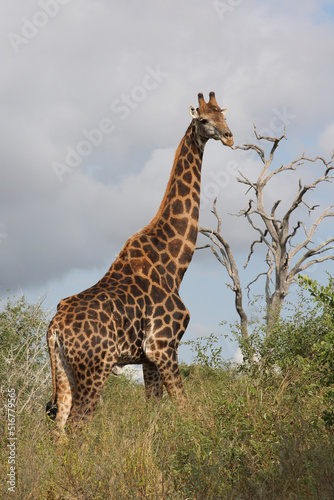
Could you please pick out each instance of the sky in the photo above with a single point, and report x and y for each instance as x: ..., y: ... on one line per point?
x: 94, y: 102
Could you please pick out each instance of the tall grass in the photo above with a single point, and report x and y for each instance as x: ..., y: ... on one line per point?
x: 234, y: 438
x: 240, y: 435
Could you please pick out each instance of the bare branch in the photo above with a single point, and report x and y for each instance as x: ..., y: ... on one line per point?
x: 294, y: 165
x: 246, y: 181
x: 247, y: 147
x: 312, y: 262
x: 214, y: 211
x: 252, y: 283
x: 309, y: 234
x: 246, y: 211
x: 325, y: 246
x: 224, y: 260
x: 262, y: 233
x: 203, y: 247
x: 273, y: 210
x: 270, y: 139
x: 211, y: 234
x: 252, y: 250
x: 294, y: 232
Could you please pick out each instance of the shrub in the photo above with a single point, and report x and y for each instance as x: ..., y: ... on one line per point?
x: 24, y: 361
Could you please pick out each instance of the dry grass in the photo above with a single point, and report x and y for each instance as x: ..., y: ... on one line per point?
x: 235, y: 438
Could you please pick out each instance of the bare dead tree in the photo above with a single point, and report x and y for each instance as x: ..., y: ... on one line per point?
x: 223, y: 253
x: 290, y: 246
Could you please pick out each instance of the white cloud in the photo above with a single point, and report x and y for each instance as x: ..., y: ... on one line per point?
x: 259, y: 58
x: 81, y: 223
x: 326, y: 139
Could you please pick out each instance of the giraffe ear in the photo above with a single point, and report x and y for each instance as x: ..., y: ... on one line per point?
x: 193, y: 112
x: 224, y: 111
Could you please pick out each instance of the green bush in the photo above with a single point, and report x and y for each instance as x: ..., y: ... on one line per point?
x: 323, y: 350
x: 24, y: 361
x: 300, y: 343
x: 206, y: 352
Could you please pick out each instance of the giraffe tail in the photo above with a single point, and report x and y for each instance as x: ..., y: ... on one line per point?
x: 51, y: 406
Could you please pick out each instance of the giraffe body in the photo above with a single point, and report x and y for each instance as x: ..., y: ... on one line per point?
x: 134, y: 314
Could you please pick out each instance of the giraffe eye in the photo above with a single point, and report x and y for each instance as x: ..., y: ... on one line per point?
x: 204, y: 121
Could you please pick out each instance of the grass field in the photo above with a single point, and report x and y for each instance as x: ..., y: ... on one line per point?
x: 237, y: 437
x: 252, y: 431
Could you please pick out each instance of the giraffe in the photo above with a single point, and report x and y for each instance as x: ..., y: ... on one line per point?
x: 134, y: 314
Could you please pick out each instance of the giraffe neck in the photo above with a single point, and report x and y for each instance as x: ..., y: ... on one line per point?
x: 174, y: 228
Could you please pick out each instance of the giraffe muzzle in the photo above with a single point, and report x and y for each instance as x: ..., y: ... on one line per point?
x: 227, y: 139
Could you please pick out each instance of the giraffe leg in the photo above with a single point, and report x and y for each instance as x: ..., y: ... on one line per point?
x: 161, y: 350
x: 83, y: 405
x: 87, y: 396
x: 65, y: 388
x: 167, y: 367
x: 152, y: 379
x: 170, y: 374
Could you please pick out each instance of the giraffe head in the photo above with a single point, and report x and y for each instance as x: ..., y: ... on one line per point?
x: 210, y: 121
